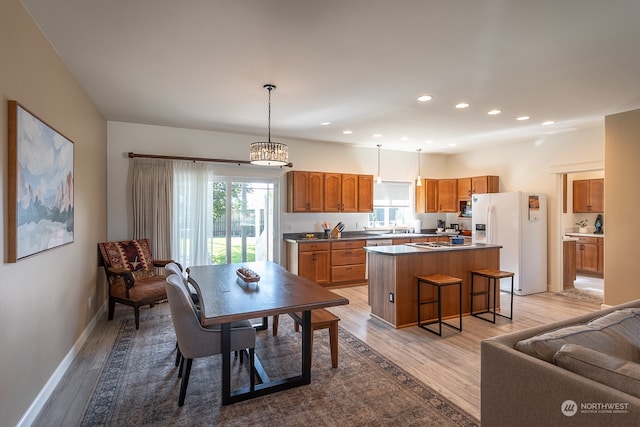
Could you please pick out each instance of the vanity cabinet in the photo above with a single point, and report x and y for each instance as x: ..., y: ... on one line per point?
x: 588, y: 195
x: 304, y: 191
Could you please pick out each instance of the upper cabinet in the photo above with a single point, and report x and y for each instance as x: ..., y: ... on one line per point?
x: 427, y: 196
x: 448, y: 195
x: 304, y: 191
x: 588, y: 195
x: 329, y: 192
x: 365, y: 193
x: 445, y: 195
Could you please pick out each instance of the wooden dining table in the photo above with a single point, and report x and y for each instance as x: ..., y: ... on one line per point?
x: 225, y: 298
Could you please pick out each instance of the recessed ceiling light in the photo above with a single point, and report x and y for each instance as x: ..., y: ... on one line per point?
x: 377, y: 135
x: 523, y: 118
x: 494, y: 112
x: 453, y: 144
x: 325, y: 123
x: 404, y: 138
x: 347, y: 132
x: 548, y: 122
x: 462, y: 105
x: 425, y: 98
x: 428, y: 141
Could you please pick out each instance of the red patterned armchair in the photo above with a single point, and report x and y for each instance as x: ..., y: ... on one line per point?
x: 131, y: 275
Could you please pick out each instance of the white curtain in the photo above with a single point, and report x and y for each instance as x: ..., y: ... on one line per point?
x: 152, y: 204
x: 193, y: 207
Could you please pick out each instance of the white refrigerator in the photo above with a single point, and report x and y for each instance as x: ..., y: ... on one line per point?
x: 518, y: 222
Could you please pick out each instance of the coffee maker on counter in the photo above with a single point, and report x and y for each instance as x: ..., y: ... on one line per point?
x: 598, y: 224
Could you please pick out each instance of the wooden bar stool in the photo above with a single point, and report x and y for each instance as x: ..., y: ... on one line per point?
x: 320, y: 319
x: 493, y: 277
x: 439, y: 281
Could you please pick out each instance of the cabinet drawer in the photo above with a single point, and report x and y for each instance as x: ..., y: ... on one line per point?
x: 348, y: 244
x: 401, y: 241
x: 348, y: 256
x: 308, y: 247
x: 347, y: 273
x: 588, y: 240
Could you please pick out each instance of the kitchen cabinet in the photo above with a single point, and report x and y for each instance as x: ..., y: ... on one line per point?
x: 304, y: 191
x: 477, y: 185
x: 310, y: 260
x: 588, y: 195
x: 329, y: 192
x: 464, y: 188
x: 447, y: 195
x: 568, y: 263
x: 427, y: 196
x: 365, y: 193
x: 348, y: 262
x: 589, y: 255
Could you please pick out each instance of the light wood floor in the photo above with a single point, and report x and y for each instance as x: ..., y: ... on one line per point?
x: 450, y: 365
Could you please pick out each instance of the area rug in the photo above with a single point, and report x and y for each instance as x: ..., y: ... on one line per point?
x: 139, y: 385
x: 586, y: 295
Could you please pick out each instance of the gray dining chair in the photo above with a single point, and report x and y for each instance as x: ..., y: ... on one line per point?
x: 195, y: 341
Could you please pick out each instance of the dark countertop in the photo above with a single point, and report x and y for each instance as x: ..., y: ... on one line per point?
x: 409, y: 249
x: 360, y: 235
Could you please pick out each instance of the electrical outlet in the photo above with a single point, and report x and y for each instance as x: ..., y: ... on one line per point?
x: 286, y: 227
x: 89, y: 303
x: 390, y: 296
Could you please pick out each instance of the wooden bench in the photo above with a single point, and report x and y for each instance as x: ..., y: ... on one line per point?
x: 320, y: 319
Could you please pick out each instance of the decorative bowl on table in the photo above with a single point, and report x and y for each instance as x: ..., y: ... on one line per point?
x: 247, y: 275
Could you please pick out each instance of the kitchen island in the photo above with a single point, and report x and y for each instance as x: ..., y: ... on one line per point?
x: 393, y: 293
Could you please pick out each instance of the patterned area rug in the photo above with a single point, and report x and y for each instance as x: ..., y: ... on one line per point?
x: 139, y: 385
x: 586, y: 295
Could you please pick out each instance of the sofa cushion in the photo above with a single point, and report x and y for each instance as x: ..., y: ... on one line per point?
x: 621, y: 374
x: 612, y: 334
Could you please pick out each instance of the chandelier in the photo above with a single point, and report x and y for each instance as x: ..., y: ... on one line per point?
x: 269, y: 153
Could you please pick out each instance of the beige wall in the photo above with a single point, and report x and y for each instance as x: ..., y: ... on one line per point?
x: 43, y: 307
x: 622, y: 205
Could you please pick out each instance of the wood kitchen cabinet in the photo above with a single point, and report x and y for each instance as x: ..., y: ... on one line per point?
x: 588, y: 195
x: 477, y: 185
x: 348, y: 262
x: 427, y: 196
x: 365, y: 193
x: 447, y: 195
x: 310, y: 260
x: 304, y: 191
x: 589, y: 255
x: 341, y: 192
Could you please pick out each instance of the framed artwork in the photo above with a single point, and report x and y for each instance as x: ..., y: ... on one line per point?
x: 40, y: 214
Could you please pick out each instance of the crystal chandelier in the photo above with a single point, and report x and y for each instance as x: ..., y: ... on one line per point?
x: 269, y: 153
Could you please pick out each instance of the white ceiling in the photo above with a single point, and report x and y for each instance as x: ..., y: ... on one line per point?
x: 359, y: 64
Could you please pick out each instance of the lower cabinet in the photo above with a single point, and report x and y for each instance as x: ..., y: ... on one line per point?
x: 348, y: 262
x: 310, y: 260
x: 590, y: 255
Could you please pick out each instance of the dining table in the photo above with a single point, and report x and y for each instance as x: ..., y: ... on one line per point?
x: 228, y: 296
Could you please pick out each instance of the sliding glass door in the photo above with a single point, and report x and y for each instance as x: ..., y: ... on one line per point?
x: 218, y: 220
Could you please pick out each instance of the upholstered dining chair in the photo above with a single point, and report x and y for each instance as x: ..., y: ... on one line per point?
x: 195, y: 341
x: 131, y: 275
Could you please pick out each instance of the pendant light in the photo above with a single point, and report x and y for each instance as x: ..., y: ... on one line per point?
x: 419, y: 179
x: 269, y: 153
x: 379, y: 178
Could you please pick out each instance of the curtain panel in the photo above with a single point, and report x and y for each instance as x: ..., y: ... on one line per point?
x: 153, y: 204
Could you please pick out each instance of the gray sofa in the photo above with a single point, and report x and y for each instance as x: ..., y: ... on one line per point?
x: 523, y: 383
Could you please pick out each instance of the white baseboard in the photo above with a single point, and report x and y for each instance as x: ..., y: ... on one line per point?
x: 36, y: 406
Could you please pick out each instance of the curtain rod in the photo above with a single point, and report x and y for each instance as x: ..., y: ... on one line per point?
x: 195, y: 159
